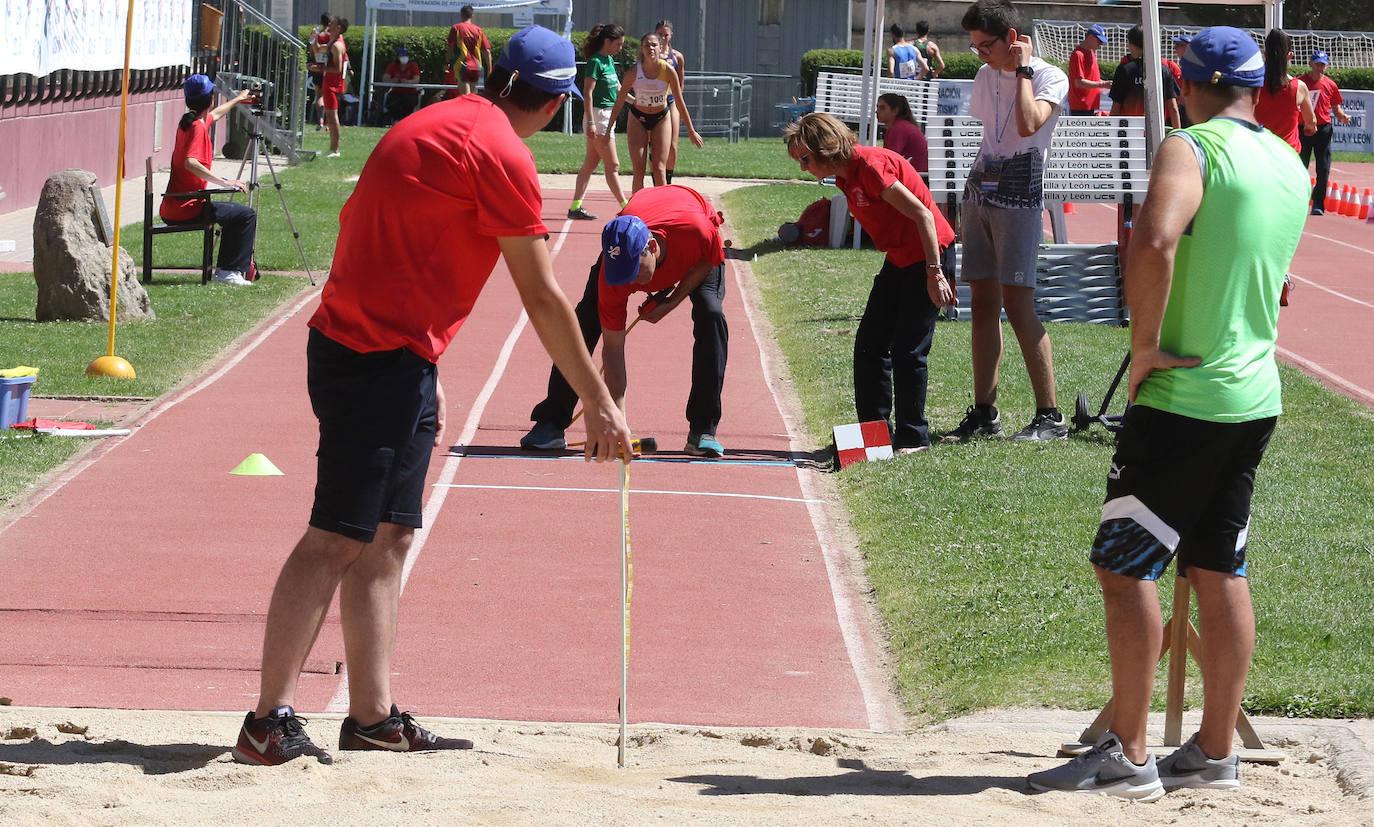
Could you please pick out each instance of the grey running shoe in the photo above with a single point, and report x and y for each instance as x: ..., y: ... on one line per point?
x: 1044, y: 428
x: 1103, y: 769
x: 581, y: 215
x: 704, y: 445
x: 975, y: 423
x: 1189, y: 766
x: 544, y: 436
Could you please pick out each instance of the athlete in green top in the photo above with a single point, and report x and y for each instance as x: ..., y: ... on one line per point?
x: 601, y: 86
x: 1225, y: 211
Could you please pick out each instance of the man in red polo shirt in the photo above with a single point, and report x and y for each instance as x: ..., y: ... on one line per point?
x: 470, y: 44
x: 666, y: 242
x: 401, y: 285
x: 401, y: 100
x: 1326, y: 101
x: 1085, y: 78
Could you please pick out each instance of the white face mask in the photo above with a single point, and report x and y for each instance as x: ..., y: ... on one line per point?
x: 403, y: 59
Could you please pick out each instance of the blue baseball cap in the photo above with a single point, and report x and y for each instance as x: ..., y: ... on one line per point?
x: 1098, y: 32
x: 622, y: 243
x: 401, y: 50
x: 1183, y: 38
x: 198, y: 86
x: 1320, y: 57
x: 1225, y: 55
x: 543, y: 59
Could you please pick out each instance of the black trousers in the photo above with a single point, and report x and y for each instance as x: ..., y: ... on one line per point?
x: 890, y: 351
x: 238, y: 232
x: 710, y: 347
x: 1318, y: 144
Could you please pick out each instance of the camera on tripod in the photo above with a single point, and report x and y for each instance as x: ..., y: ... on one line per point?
x: 254, y: 94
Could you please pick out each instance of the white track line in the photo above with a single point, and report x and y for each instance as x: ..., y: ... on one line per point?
x: 339, y: 701
x: 881, y: 708
x: 1336, y: 293
x: 1338, y: 241
x: 635, y: 491
x: 1363, y: 394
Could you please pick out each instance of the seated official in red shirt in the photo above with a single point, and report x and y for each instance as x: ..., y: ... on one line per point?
x: 400, y: 101
x: 666, y: 241
x: 894, y: 207
x: 192, y: 155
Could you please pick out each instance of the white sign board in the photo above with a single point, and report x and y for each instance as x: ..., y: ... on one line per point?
x: 88, y: 35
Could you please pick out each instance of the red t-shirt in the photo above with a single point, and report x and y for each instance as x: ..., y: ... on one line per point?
x: 1324, y: 93
x: 191, y: 142
x: 410, y: 71
x: 471, y: 37
x: 1083, y: 64
x: 418, y: 236
x: 907, y: 140
x: 1175, y: 70
x: 869, y: 173
x: 1279, y: 113
x: 690, y: 227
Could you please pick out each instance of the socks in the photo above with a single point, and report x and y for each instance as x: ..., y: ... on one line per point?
x: 1050, y: 412
x: 670, y: 176
x: 574, y: 205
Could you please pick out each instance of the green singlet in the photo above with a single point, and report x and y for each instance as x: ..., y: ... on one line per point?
x: 1224, y: 302
x: 601, y: 68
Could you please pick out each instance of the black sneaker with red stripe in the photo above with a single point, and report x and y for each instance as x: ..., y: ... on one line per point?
x: 276, y: 739
x: 397, y: 733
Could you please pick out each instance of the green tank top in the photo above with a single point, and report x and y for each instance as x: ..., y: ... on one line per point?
x: 1224, y: 302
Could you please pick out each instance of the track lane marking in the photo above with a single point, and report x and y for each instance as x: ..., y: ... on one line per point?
x: 635, y: 491
x: 1363, y: 394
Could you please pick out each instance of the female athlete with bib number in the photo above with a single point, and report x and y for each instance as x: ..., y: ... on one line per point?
x: 653, y: 81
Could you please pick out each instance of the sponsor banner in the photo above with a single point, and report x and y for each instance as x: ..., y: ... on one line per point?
x: 88, y: 35
x: 534, y: 6
x: 1358, y: 135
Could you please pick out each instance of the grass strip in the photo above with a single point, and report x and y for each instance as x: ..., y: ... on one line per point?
x: 978, y: 553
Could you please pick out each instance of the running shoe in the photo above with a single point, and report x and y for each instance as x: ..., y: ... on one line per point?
x: 1044, y: 428
x: 1103, y: 769
x: 975, y: 423
x: 276, y: 739
x: 1189, y: 766
x: 332, y: 155
x: 233, y: 277
x: 397, y: 733
x: 581, y: 215
x: 704, y: 445
x: 544, y: 436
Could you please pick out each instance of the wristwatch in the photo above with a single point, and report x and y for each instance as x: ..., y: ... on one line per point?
x: 1025, y: 71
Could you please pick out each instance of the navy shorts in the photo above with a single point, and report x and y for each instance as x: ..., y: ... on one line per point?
x: 377, y: 414
x: 1179, y: 486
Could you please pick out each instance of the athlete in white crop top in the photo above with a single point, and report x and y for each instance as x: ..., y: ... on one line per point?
x: 650, y: 130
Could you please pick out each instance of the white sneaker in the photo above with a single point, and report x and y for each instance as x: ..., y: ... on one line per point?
x: 233, y: 277
x: 332, y: 155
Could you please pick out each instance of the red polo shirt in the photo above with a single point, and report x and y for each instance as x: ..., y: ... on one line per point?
x: 1324, y: 94
x: 418, y: 236
x: 869, y: 173
x: 191, y: 142
x: 679, y: 218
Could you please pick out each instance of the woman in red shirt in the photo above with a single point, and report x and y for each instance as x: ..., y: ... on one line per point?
x: 191, y: 158
x: 894, y: 337
x: 1282, y: 98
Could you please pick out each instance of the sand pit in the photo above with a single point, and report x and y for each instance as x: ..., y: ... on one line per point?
x: 174, y: 768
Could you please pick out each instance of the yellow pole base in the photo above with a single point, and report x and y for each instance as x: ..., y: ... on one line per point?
x: 111, y: 366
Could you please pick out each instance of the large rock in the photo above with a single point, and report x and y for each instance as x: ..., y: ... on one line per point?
x: 72, y: 265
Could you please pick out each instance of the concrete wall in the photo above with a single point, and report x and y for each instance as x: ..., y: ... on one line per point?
x: 39, y: 139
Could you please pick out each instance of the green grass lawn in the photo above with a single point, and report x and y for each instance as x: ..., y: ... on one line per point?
x: 978, y: 552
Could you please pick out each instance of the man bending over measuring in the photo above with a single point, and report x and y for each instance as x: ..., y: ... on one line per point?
x: 666, y: 239
x: 393, y: 302
x: 1227, y: 203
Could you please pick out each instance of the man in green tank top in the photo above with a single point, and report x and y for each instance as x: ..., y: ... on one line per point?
x: 1226, y: 207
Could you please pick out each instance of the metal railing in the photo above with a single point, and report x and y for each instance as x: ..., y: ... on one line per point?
x: 256, y: 52
x: 720, y: 104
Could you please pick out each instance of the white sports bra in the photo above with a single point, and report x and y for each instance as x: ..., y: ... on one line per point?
x: 651, y: 93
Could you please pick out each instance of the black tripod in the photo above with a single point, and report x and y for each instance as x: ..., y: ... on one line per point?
x: 250, y: 160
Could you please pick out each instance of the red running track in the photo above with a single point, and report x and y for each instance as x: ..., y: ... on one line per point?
x: 141, y: 580
x: 1328, y: 329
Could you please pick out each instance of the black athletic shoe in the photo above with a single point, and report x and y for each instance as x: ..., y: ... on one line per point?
x: 398, y: 733
x: 276, y: 739
x: 581, y: 215
x: 1044, y: 428
x: 975, y: 423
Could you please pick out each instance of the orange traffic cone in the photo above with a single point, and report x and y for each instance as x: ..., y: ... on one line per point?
x: 1070, y: 209
x: 1349, y: 206
x: 1364, y: 206
x: 1332, y: 197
